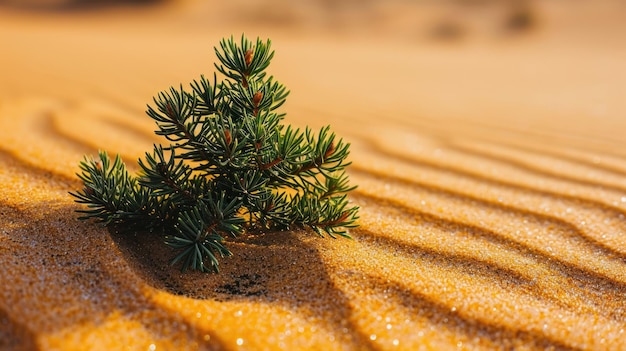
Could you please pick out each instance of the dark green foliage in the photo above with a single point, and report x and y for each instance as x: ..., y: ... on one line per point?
x: 230, y: 165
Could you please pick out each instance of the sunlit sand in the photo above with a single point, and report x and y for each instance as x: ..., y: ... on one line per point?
x: 491, y: 165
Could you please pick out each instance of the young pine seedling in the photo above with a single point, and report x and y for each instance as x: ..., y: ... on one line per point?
x: 229, y: 166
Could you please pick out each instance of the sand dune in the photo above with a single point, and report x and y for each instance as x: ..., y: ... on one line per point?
x: 491, y: 171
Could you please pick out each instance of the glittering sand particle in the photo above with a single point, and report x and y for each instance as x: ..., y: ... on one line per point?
x: 494, y: 222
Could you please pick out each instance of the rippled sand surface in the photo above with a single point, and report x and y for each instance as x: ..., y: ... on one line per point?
x: 491, y: 173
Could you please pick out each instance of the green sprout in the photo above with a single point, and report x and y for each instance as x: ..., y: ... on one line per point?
x: 229, y: 166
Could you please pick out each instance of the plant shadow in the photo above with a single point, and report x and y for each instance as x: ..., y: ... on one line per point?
x: 15, y: 335
x: 273, y: 268
x: 61, y: 275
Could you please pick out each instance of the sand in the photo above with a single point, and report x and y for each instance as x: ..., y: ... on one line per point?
x: 490, y: 162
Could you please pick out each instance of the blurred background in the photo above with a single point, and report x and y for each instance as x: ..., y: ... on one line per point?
x: 426, y: 19
x: 509, y: 63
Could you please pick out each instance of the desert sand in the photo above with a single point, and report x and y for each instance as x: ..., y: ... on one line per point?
x: 490, y: 160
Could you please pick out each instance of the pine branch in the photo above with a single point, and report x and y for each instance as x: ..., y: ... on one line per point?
x: 106, y: 188
x: 229, y: 165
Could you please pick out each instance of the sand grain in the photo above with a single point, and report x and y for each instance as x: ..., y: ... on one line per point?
x: 491, y: 173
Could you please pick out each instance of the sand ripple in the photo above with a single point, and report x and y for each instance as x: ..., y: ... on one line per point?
x: 477, y: 232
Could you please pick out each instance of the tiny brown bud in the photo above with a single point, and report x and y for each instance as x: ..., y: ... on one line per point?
x: 329, y: 150
x: 89, y: 191
x: 98, y: 165
x: 227, y: 136
x: 248, y: 57
x: 170, y: 110
x: 271, y: 164
x: 256, y: 99
x: 342, y: 218
x: 161, y: 167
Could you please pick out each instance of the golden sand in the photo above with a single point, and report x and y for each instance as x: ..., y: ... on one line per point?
x: 491, y: 173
